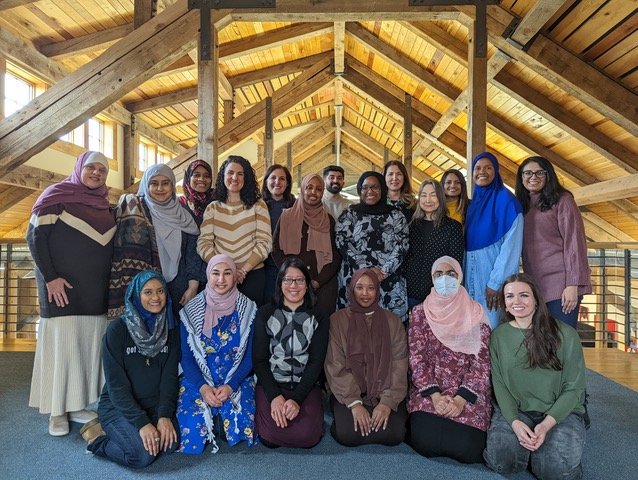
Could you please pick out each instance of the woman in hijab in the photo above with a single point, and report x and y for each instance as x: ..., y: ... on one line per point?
x: 307, y: 231
x: 70, y: 237
x: 217, y: 390
x: 198, y: 179
x: 141, y: 354
x: 374, y: 234
x: 450, y: 393
x: 155, y: 232
x: 493, y: 235
x: 367, y: 368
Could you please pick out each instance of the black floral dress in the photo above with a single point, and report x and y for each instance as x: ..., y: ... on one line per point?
x: 370, y: 240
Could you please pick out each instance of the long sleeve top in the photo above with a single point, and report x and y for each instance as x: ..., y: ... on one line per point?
x: 138, y: 388
x: 241, y: 233
x: 342, y: 382
x: 555, y: 248
x: 436, y: 368
x: 519, y: 388
x: 335, y: 203
x: 289, y: 349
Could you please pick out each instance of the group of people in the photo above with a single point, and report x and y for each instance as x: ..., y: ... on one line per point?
x: 266, y: 301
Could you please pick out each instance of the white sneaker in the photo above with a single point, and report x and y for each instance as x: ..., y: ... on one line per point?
x: 58, y: 425
x: 82, y: 416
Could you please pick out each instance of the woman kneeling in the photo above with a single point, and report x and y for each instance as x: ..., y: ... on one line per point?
x: 538, y: 374
x: 141, y: 353
x: 367, y: 368
x: 217, y: 392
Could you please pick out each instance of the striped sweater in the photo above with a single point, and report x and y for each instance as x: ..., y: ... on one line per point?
x: 241, y: 233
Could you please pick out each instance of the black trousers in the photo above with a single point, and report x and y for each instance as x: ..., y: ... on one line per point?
x: 254, y: 285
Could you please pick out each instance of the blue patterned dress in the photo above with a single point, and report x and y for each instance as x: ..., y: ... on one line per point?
x: 223, y: 359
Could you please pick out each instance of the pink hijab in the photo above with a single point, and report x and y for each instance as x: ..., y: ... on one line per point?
x: 455, y: 320
x: 217, y: 305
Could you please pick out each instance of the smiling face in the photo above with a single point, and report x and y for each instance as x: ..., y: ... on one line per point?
x: 94, y: 175
x: 519, y: 301
x: 365, y: 292
x: 277, y: 183
x: 153, y: 296
x: 370, y: 191
x: 428, y: 201
x: 484, y: 173
x: 394, y: 179
x: 221, y: 278
x: 452, y: 186
x: 534, y: 177
x: 334, y: 181
x: 234, y: 177
x: 201, y: 180
x: 160, y: 188
x: 313, y: 192
x: 293, y: 287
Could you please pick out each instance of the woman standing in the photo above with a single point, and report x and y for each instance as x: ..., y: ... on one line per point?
x: 538, y: 373
x: 237, y: 223
x: 493, y: 235
x: 217, y: 391
x: 554, y: 243
x: 276, y: 192
x: 289, y: 348
x: 155, y: 232
x: 374, y: 234
x: 399, y: 187
x: 456, y: 194
x: 307, y: 231
x: 70, y: 237
x: 432, y: 235
x: 141, y: 353
x: 450, y: 397
x: 366, y: 368
x: 198, y: 180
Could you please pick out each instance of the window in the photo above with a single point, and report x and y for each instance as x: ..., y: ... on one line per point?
x: 18, y: 92
x: 75, y: 136
x: 148, y: 154
x: 96, y: 135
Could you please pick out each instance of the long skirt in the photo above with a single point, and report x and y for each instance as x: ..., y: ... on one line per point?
x: 67, y: 372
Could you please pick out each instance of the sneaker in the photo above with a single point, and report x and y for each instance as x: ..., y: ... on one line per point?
x: 82, y: 416
x: 91, y: 430
x: 58, y: 425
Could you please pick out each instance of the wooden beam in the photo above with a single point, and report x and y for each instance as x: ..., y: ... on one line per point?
x: 601, y: 224
x: 207, y: 111
x: 477, y: 86
x: 407, y: 134
x: 86, y: 43
x: 607, y: 191
x: 7, y: 4
x: 161, y: 101
x: 10, y: 197
x: 268, y: 136
x: 3, y: 72
x: 535, y: 19
x: 143, y: 11
x: 275, y: 71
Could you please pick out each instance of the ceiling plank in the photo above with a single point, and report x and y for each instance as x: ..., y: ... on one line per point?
x: 607, y: 227
x: 535, y: 19
x: 161, y: 101
x: 86, y: 43
x: 275, y: 71
x: 7, y: 4
x: 607, y: 191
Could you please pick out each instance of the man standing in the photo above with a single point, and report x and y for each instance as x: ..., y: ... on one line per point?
x: 335, y: 203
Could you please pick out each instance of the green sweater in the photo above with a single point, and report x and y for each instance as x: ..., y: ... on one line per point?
x: 519, y: 388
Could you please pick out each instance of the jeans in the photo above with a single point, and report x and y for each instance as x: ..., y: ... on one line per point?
x: 558, y: 457
x: 122, y: 444
x: 556, y: 310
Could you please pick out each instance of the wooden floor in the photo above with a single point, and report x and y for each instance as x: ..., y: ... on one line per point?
x: 614, y: 364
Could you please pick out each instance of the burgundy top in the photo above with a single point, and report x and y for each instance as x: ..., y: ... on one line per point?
x: 555, y: 248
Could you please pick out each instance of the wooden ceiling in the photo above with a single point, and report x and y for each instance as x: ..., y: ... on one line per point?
x: 563, y: 83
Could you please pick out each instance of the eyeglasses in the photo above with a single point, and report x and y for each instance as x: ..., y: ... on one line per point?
x: 374, y: 188
x: 296, y: 281
x: 539, y: 173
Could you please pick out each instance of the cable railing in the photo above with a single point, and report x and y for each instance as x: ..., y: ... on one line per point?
x: 608, y: 317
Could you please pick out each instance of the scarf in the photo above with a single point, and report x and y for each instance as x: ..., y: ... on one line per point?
x: 455, y: 320
x: 169, y: 220
x: 491, y: 212
x: 318, y: 221
x: 218, y: 306
x: 369, y: 352
x: 197, y: 201
x: 379, y: 208
x: 139, y: 321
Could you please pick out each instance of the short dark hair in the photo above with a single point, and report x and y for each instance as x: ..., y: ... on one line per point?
x: 295, y: 262
x: 249, y: 193
x: 265, y: 193
x: 551, y: 192
x: 333, y: 168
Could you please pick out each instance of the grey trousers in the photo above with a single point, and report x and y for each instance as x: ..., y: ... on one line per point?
x: 558, y: 458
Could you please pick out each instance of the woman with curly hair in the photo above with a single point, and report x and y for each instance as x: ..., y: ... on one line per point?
x: 455, y: 188
x: 237, y: 223
x: 399, y: 188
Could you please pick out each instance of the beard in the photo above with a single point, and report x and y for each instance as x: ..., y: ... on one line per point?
x: 333, y: 188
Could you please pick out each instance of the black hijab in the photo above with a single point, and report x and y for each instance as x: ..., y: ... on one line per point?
x: 379, y: 208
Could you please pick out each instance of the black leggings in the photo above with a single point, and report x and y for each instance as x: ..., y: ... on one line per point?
x: 253, y: 286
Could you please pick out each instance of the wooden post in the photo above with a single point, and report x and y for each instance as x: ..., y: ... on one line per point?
x: 229, y: 111
x: 268, y: 135
x: 3, y: 71
x: 143, y: 11
x: 131, y: 153
x: 386, y: 155
x: 289, y: 156
x: 477, y: 88
x: 407, y: 135
x: 207, y: 94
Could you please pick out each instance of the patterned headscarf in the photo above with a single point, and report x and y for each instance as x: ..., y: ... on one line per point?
x: 197, y: 201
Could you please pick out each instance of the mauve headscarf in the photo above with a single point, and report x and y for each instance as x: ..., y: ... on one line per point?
x: 217, y: 305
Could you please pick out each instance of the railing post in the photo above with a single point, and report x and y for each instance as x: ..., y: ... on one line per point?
x: 627, y: 298
x: 603, y: 306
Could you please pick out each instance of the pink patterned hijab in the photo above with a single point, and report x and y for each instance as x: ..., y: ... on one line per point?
x: 217, y: 305
x: 455, y: 320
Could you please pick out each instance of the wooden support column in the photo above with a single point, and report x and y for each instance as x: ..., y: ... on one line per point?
x: 207, y: 95
x: 477, y: 87
x: 143, y: 11
x: 3, y: 71
x: 289, y: 156
x: 407, y: 135
x: 268, y: 135
x: 229, y: 111
x: 299, y: 177
x: 131, y: 153
x: 339, y: 70
x: 386, y: 155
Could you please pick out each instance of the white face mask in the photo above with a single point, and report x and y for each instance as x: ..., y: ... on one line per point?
x: 446, y: 285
